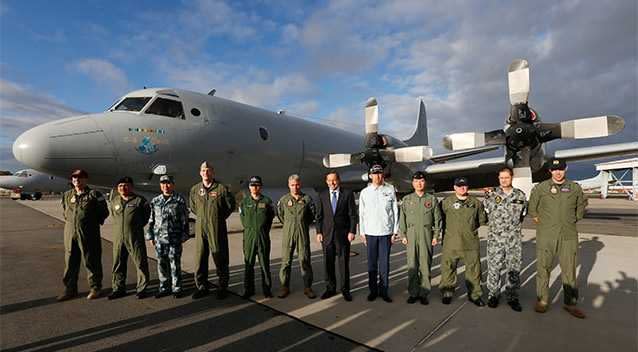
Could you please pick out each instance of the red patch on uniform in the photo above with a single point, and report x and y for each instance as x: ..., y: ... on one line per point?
x: 428, y: 204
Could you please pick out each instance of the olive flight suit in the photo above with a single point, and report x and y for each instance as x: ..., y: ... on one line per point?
x: 84, y: 214
x: 558, y: 207
x: 296, y: 216
x: 212, y: 206
x: 420, y: 222
x: 460, y: 241
x: 129, y: 218
x: 256, y: 217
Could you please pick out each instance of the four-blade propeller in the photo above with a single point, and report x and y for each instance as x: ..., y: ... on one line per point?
x: 380, y: 149
x: 524, y: 133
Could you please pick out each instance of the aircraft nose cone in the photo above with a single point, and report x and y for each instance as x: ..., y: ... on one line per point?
x: 31, y: 147
x: 60, y: 146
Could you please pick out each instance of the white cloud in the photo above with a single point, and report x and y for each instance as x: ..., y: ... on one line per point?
x: 104, y: 73
x: 20, y: 109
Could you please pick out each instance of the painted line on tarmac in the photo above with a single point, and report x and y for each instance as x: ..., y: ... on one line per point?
x: 438, y: 327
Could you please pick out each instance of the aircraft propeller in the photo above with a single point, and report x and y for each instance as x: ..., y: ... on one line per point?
x: 380, y: 149
x: 524, y: 132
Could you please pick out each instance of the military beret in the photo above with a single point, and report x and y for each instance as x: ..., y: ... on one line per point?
x: 206, y: 165
x: 79, y: 173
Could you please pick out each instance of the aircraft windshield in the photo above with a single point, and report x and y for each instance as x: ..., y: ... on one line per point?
x: 132, y: 104
x: 166, y: 107
x: 21, y: 173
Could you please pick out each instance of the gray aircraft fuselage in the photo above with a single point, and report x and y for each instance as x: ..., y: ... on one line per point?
x: 240, y: 141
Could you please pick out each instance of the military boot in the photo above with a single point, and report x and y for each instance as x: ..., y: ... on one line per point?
x: 67, y: 295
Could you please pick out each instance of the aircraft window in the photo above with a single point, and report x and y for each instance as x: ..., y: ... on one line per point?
x: 195, y: 112
x: 132, y: 104
x: 263, y: 133
x: 166, y: 107
x: 21, y: 174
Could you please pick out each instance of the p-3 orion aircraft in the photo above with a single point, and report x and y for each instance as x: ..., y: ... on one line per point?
x: 150, y: 132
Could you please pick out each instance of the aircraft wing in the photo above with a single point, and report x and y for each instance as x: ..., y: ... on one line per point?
x: 603, y: 151
x: 480, y: 173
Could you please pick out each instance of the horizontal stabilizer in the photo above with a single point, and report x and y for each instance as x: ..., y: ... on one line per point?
x: 602, y: 151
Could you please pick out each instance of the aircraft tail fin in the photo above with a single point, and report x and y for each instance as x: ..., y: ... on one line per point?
x: 420, y: 135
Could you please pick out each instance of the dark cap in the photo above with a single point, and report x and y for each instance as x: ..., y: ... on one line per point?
x: 79, y: 173
x: 460, y: 181
x: 255, y: 181
x: 556, y: 164
x: 376, y: 169
x: 419, y: 175
x: 125, y: 179
x: 166, y: 179
x: 206, y: 164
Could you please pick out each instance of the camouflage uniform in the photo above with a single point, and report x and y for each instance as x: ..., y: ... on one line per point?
x: 505, y: 213
x: 296, y: 216
x: 83, y: 214
x: 168, y: 227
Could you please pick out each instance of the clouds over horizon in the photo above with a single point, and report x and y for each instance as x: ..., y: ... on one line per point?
x: 323, y: 60
x: 20, y: 109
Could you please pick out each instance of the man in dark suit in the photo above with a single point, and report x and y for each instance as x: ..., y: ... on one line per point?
x: 336, y: 228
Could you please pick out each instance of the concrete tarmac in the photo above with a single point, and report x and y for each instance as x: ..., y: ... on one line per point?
x: 607, y: 277
x: 32, y: 262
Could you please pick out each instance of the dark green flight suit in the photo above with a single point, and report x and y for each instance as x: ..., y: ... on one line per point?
x: 256, y: 218
x: 296, y: 216
x: 558, y: 207
x: 129, y: 218
x: 419, y: 221
x: 212, y: 206
x: 460, y: 241
x: 84, y: 214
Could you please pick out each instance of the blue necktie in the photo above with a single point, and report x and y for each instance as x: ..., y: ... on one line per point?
x: 333, y: 201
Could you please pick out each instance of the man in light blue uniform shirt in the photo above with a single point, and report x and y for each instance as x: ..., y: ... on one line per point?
x: 379, y: 227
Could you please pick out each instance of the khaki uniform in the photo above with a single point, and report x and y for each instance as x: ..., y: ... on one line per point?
x: 460, y: 241
x: 84, y: 214
x: 296, y: 216
x: 129, y: 218
x: 212, y: 206
x: 256, y: 218
x: 420, y: 221
x: 558, y: 208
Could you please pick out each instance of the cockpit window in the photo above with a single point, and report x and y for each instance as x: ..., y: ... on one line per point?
x: 132, y: 104
x: 21, y: 173
x: 166, y: 107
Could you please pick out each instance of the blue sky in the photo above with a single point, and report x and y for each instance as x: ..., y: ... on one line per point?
x: 322, y: 59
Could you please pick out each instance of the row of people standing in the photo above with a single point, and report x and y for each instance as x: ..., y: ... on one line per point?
x: 423, y: 221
